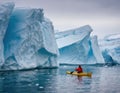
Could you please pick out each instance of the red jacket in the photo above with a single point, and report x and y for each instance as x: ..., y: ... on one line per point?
x: 79, y: 69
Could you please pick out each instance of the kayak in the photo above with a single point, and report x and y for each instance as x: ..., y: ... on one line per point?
x: 89, y: 74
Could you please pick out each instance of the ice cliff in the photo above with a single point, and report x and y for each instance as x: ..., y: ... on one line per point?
x: 77, y: 47
x: 29, y: 40
x: 110, y: 47
x: 5, y: 12
x: 96, y: 50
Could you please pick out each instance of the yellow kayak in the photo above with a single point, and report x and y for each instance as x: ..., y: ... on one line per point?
x: 89, y: 74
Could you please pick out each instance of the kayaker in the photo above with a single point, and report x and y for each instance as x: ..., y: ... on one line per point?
x: 79, y: 69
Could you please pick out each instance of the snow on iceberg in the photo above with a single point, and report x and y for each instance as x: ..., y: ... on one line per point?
x: 76, y: 47
x: 5, y: 12
x: 29, y: 41
x: 110, y: 47
x: 69, y: 37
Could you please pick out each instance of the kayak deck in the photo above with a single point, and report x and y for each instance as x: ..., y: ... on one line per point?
x: 89, y: 74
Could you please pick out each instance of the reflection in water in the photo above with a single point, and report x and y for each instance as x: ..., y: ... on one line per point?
x: 79, y: 78
x: 103, y: 80
x: 27, y: 81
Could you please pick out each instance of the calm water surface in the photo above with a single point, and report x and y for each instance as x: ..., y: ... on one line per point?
x: 103, y: 80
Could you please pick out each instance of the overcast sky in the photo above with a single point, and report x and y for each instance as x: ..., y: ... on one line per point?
x: 102, y: 15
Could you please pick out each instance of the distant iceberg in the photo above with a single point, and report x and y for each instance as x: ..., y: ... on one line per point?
x: 110, y: 47
x: 29, y: 41
x: 77, y: 47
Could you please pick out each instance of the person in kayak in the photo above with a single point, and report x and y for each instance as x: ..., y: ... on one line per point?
x: 79, y: 69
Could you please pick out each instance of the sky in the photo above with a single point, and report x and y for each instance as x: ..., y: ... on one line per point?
x: 102, y: 15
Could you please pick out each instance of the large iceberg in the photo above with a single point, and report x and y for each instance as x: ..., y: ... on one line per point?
x: 110, y: 47
x: 29, y: 41
x: 5, y: 12
x: 77, y: 47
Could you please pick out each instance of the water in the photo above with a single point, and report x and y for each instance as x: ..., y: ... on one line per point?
x: 103, y: 80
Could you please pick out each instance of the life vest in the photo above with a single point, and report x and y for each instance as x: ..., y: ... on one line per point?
x: 79, y: 70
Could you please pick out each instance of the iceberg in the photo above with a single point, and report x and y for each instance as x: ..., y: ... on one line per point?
x: 5, y: 12
x: 96, y: 50
x: 110, y: 47
x: 77, y: 47
x: 29, y: 41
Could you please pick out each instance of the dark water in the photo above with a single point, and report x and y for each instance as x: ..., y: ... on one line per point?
x: 103, y: 80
